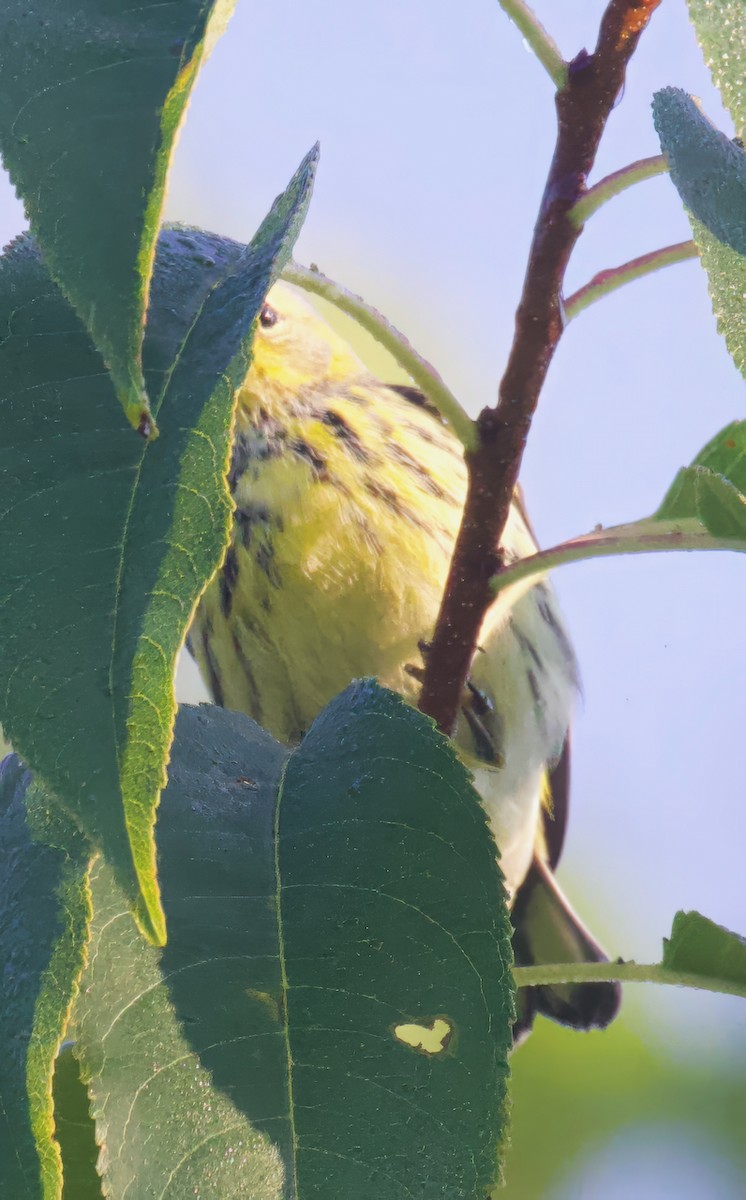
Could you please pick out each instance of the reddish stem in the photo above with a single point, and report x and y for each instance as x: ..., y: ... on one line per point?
x: 611, y: 278
x: 583, y: 105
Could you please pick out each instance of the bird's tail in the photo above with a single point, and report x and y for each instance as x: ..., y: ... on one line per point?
x: 547, y: 930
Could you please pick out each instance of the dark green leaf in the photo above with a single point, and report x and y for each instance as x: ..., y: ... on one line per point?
x: 43, y: 920
x: 392, y: 915
x: 92, y: 96
x: 185, y: 1051
x: 720, y: 32
x: 697, y: 946
x: 106, y: 542
x: 709, y: 171
x: 327, y: 916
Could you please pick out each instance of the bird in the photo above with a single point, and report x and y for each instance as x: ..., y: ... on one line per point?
x: 348, y: 494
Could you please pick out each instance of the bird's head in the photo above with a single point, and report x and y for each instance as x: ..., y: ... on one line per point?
x: 294, y: 348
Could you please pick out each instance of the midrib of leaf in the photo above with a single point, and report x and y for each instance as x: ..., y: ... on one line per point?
x: 128, y: 518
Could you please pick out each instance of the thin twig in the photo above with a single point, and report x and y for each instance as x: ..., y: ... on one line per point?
x: 624, y: 972
x: 419, y: 369
x: 536, y: 36
x: 643, y: 537
x: 612, y: 185
x: 583, y: 106
x: 615, y: 277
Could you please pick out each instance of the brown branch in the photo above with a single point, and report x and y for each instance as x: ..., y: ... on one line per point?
x: 594, y: 82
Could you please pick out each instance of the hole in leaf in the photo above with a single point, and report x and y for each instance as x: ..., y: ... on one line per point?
x: 428, y: 1039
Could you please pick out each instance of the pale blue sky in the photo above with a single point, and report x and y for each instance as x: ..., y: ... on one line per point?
x: 436, y: 127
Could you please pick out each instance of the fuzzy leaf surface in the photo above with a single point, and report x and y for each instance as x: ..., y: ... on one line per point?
x: 720, y: 32
x: 726, y: 281
x: 709, y: 171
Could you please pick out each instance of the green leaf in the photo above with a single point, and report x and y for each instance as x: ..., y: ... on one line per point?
x: 697, y: 492
x: 392, y: 914
x: 43, y: 921
x: 709, y: 171
x: 704, y: 509
x: 183, y: 1051
x: 319, y: 908
x: 720, y: 32
x: 107, y: 543
x: 697, y: 946
x: 712, y: 488
x: 726, y: 281
x: 93, y: 94
x: 725, y: 454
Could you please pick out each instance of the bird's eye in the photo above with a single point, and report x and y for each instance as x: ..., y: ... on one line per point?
x: 268, y: 316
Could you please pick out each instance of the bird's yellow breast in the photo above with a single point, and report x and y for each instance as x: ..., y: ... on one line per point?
x: 348, y: 498
x: 339, y: 552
